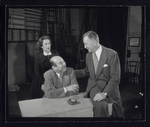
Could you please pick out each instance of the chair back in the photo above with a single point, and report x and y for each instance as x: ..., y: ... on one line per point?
x: 133, y: 71
x: 133, y: 67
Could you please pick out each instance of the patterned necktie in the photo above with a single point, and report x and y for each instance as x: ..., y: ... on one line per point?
x: 95, y: 61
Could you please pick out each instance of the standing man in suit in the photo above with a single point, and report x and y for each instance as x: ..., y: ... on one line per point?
x: 60, y: 81
x: 103, y: 66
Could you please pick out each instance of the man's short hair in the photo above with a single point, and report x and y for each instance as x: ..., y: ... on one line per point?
x: 91, y: 35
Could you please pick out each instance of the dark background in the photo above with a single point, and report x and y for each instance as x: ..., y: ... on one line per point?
x: 3, y: 54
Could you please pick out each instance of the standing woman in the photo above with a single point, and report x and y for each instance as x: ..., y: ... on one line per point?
x: 41, y: 65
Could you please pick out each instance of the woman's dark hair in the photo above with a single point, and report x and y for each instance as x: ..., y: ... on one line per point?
x: 40, y: 41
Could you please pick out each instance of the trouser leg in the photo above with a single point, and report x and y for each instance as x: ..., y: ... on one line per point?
x: 100, y: 108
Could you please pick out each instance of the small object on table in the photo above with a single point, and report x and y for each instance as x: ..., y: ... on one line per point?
x: 73, y: 101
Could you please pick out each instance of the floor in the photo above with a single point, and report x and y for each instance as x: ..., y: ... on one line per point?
x: 133, y: 102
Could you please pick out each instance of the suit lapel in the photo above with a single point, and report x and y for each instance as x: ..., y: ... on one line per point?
x: 57, y: 80
x: 101, y: 61
x: 66, y: 79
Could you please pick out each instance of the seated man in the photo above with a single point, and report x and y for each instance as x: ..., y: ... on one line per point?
x: 60, y: 81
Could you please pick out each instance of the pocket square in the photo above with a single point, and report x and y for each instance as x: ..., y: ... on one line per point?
x: 105, y: 65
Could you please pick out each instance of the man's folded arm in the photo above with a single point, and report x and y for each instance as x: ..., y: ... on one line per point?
x: 50, y: 90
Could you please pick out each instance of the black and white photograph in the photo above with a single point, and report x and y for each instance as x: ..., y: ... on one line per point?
x: 80, y: 62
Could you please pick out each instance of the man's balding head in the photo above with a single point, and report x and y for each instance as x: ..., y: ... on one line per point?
x: 58, y: 64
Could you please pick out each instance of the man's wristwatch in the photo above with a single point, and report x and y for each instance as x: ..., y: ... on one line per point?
x: 105, y: 94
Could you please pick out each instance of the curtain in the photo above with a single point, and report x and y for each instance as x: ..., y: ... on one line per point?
x: 112, y: 30
x: 110, y: 23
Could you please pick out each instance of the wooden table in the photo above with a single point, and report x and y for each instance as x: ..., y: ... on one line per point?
x: 57, y: 107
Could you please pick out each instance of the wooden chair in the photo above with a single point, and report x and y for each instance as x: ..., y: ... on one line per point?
x: 133, y: 71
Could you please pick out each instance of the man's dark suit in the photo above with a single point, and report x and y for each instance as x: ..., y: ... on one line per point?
x: 53, y: 88
x: 106, y: 80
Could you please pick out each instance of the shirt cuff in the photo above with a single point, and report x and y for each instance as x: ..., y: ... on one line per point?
x: 65, y: 89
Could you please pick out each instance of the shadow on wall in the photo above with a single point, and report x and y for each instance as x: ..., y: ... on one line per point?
x: 16, y: 65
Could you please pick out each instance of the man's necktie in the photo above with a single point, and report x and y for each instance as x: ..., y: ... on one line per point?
x: 95, y: 61
x: 61, y: 77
